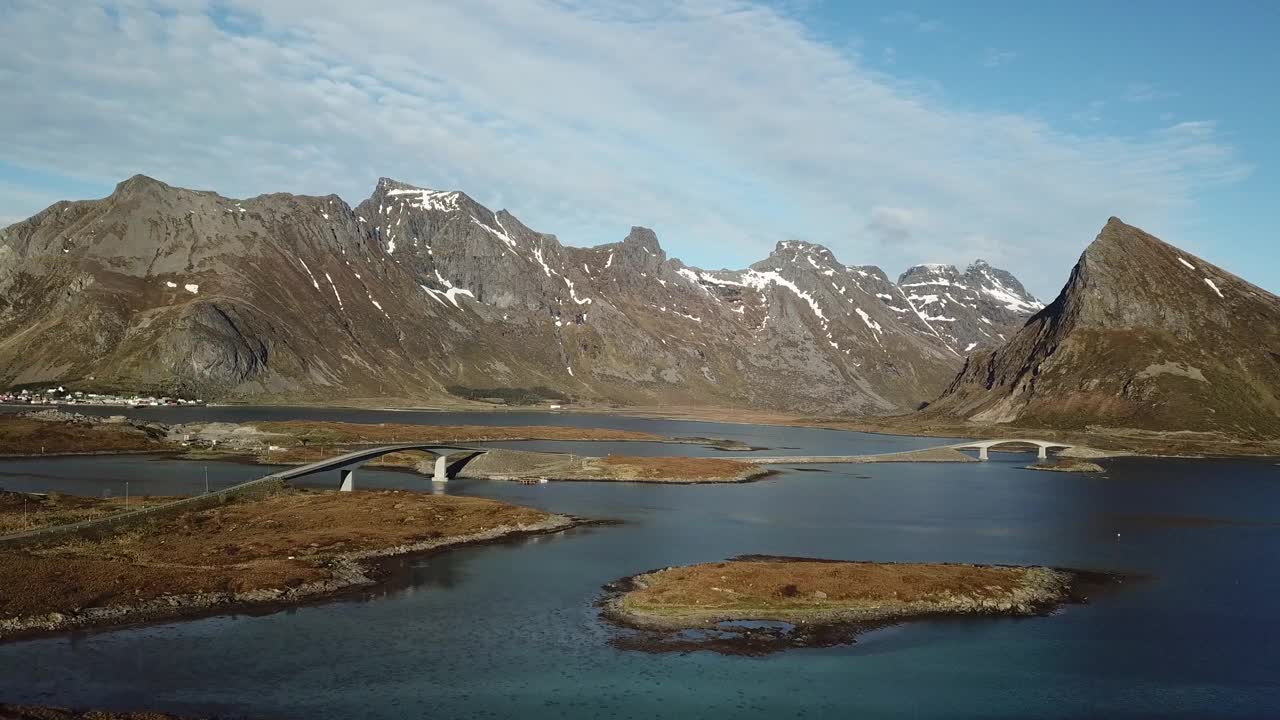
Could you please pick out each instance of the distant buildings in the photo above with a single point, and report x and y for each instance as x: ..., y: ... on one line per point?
x: 60, y: 396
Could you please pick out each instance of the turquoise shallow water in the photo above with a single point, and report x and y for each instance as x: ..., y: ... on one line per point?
x: 501, y: 630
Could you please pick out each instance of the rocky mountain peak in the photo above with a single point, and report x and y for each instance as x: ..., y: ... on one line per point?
x: 927, y: 273
x: 644, y: 238
x: 141, y: 185
x: 386, y: 183
x: 1118, y: 240
x: 803, y: 252
x: 796, y: 248
x: 641, y: 251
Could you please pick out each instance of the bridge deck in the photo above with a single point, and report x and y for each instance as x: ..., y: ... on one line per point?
x: 938, y: 453
x: 365, y: 454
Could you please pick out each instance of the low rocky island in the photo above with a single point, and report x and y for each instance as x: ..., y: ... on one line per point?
x: 1067, y: 465
x: 760, y: 604
x: 287, y: 547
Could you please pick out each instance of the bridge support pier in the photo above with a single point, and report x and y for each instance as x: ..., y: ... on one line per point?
x: 982, y: 454
x: 348, y: 478
x: 1043, y: 454
x: 442, y: 469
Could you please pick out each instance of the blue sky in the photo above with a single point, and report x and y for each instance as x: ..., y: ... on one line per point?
x: 892, y: 133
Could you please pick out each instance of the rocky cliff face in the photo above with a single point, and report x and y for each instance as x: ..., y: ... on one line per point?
x: 1144, y: 336
x: 419, y: 295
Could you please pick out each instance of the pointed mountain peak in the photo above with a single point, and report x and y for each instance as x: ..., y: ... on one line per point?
x: 1116, y: 233
x: 1121, y: 249
x: 794, y: 249
x: 390, y: 191
x: 386, y: 184
x: 140, y: 183
x: 1143, y: 335
x: 927, y: 271
x: 643, y: 237
x: 874, y: 271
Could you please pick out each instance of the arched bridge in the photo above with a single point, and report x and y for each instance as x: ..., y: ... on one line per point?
x: 982, y: 446
x: 450, y: 459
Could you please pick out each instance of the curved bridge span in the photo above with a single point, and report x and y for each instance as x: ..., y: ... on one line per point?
x: 982, y: 446
x: 938, y: 453
x: 450, y: 459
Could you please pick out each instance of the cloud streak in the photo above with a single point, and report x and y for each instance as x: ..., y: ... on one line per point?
x: 582, y: 119
x: 994, y: 57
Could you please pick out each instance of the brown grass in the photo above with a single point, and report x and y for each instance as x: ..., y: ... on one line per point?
x: 668, y: 469
x: 237, y: 548
x: 813, y: 585
x: 25, y: 511
x: 26, y: 436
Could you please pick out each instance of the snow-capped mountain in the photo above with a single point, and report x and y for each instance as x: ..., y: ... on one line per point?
x: 420, y: 295
x: 979, y: 308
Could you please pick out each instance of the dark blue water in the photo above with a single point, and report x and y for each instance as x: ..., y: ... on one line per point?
x: 506, y: 630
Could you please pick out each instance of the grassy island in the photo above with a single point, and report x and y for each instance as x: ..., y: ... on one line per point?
x: 826, y: 601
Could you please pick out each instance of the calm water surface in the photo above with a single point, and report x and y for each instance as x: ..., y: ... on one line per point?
x: 510, y: 629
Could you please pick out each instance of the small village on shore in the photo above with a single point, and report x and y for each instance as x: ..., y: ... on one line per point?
x: 61, y: 396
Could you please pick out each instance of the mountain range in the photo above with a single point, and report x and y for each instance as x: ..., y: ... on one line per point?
x: 422, y: 295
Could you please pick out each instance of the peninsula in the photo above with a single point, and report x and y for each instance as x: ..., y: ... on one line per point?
x: 288, y: 547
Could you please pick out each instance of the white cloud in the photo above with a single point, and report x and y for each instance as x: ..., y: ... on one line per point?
x: 993, y: 57
x: 1146, y: 92
x: 1090, y: 113
x: 583, y: 120
x: 913, y: 21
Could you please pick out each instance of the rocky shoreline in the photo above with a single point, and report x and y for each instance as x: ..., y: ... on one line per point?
x: 347, y: 571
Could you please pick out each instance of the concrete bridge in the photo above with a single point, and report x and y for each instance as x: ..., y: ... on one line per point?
x: 450, y: 459
x: 982, y: 446
x: 937, y: 453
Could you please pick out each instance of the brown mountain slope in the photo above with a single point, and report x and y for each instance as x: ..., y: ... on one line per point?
x: 1143, y: 336
x: 420, y: 296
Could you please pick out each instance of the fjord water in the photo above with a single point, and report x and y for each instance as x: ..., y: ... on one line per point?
x: 501, y: 630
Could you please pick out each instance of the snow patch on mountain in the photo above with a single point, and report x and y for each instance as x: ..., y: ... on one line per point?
x: 503, y: 236
x: 313, y: 277
x: 869, y: 322
x: 442, y: 201
x: 762, y: 280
